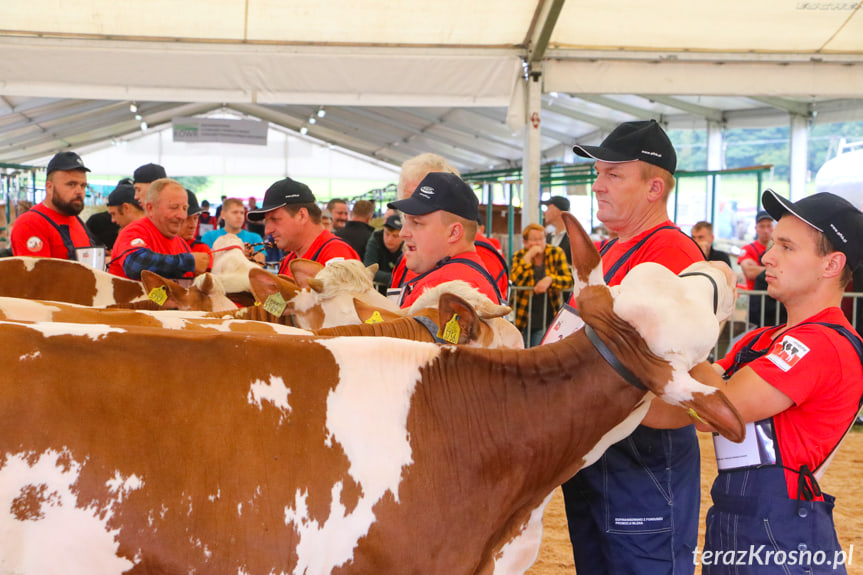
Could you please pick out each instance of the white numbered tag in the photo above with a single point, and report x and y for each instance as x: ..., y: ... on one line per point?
x: 395, y: 295
x: 757, y: 448
x: 566, y: 321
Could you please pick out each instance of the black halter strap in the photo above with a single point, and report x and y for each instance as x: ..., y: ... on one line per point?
x: 608, y: 356
x: 712, y: 281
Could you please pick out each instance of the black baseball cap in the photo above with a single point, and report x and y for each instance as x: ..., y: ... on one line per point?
x: 835, y: 217
x: 762, y: 215
x: 631, y: 141
x: 393, y: 223
x: 123, y: 194
x: 193, y: 208
x: 560, y: 202
x: 149, y: 173
x: 281, y: 194
x: 67, y: 162
x: 440, y: 191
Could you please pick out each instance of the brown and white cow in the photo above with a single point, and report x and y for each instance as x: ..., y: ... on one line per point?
x: 304, y: 455
x: 66, y: 281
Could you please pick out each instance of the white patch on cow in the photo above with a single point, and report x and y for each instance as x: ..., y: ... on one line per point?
x: 104, y: 294
x: 61, y: 535
x: 21, y: 309
x: 123, y: 486
x: 240, y: 509
x: 33, y: 355
x: 594, y: 278
x: 51, y: 329
x: 682, y: 386
x: 29, y: 263
x: 215, y: 496
x: 305, y: 300
x: 520, y: 552
x: 367, y: 415
x: 619, y: 432
x: 275, y: 392
x: 675, y: 317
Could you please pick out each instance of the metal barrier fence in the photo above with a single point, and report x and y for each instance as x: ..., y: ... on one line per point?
x: 752, y: 309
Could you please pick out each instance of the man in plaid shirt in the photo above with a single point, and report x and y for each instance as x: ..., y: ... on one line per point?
x: 542, y: 266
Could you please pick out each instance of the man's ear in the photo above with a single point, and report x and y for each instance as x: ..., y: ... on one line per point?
x: 456, y: 232
x: 835, y: 264
x: 657, y: 189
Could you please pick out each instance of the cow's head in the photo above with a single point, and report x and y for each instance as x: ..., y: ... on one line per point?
x: 482, y: 323
x: 321, y: 296
x: 674, y: 324
x: 205, y: 294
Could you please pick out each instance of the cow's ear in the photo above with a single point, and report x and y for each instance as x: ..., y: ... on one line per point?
x: 372, y: 270
x: 451, y: 305
x: 712, y: 406
x: 371, y: 314
x: 206, y: 284
x: 168, y: 294
x: 316, y: 285
x: 264, y: 284
x: 303, y: 270
x: 586, y: 261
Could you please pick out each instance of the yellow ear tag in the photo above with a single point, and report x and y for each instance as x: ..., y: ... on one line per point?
x: 451, y: 331
x: 694, y: 415
x: 275, y: 304
x: 376, y: 318
x: 159, y: 295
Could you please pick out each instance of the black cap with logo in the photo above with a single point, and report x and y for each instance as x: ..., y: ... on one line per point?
x: 67, y: 162
x: 281, y: 194
x: 631, y: 141
x: 393, y: 223
x: 835, y: 217
x: 124, y: 193
x: 193, y: 208
x: 441, y: 191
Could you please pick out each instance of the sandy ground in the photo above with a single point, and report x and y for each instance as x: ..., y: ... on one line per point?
x: 841, y: 480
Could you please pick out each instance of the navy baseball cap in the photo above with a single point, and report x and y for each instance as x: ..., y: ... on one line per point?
x: 559, y: 202
x: 149, y: 173
x: 835, y: 217
x: 762, y: 215
x: 440, y: 191
x: 67, y: 162
x: 281, y: 194
x: 631, y: 141
x: 393, y: 223
x: 123, y: 194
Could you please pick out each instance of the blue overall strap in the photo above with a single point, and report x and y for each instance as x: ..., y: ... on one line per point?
x: 66, y: 235
x: 625, y: 257
x: 487, y: 246
x: 323, y: 245
x: 449, y: 260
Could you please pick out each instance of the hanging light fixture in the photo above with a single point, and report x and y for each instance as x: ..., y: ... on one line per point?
x: 144, y: 126
x: 313, y: 120
x: 304, y: 130
x: 133, y: 107
x: 321, y: 112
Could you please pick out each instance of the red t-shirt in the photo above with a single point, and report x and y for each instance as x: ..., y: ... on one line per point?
x: 669, y: 247
x: 325, y: 248
x: 33, y: 236
x: 447, y: 272
x: 493, y: 261
x: 143, y: 234
x: 818, y: 369
x: 752, y: 251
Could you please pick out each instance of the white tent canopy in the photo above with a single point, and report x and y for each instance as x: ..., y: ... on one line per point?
x: 402, y: 78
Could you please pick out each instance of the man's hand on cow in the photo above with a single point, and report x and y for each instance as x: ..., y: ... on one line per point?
x: 202, y: 262
x: 542, y: 285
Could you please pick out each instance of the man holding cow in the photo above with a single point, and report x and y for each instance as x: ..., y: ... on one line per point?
x: 636, y: 509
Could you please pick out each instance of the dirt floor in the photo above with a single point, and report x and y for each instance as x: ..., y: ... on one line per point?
x: 841, y: 480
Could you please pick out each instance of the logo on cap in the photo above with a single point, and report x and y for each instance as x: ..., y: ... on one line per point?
x: 426, y: 191
x: 655, y: 154
x: 838, y: 233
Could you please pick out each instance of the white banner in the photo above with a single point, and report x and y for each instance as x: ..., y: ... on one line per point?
x: 220, y: 130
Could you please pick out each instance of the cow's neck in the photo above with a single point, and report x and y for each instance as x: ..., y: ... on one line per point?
x: 543, y: 411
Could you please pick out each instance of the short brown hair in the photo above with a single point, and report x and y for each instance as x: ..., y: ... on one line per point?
x: 823, y: 247
x: 154, y: 189
x: 649, y: 171
x: 470, y: 226
x: 232, y: 202
x: 363, y: 208
x: 312, y: 208
x: 702, y: 225
x: 533, y: 226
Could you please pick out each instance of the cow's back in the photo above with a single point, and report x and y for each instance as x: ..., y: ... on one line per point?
x: 64, y: 281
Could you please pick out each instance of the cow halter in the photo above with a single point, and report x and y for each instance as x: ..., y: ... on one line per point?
x: 608, y: 356
x: 715, y: 287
